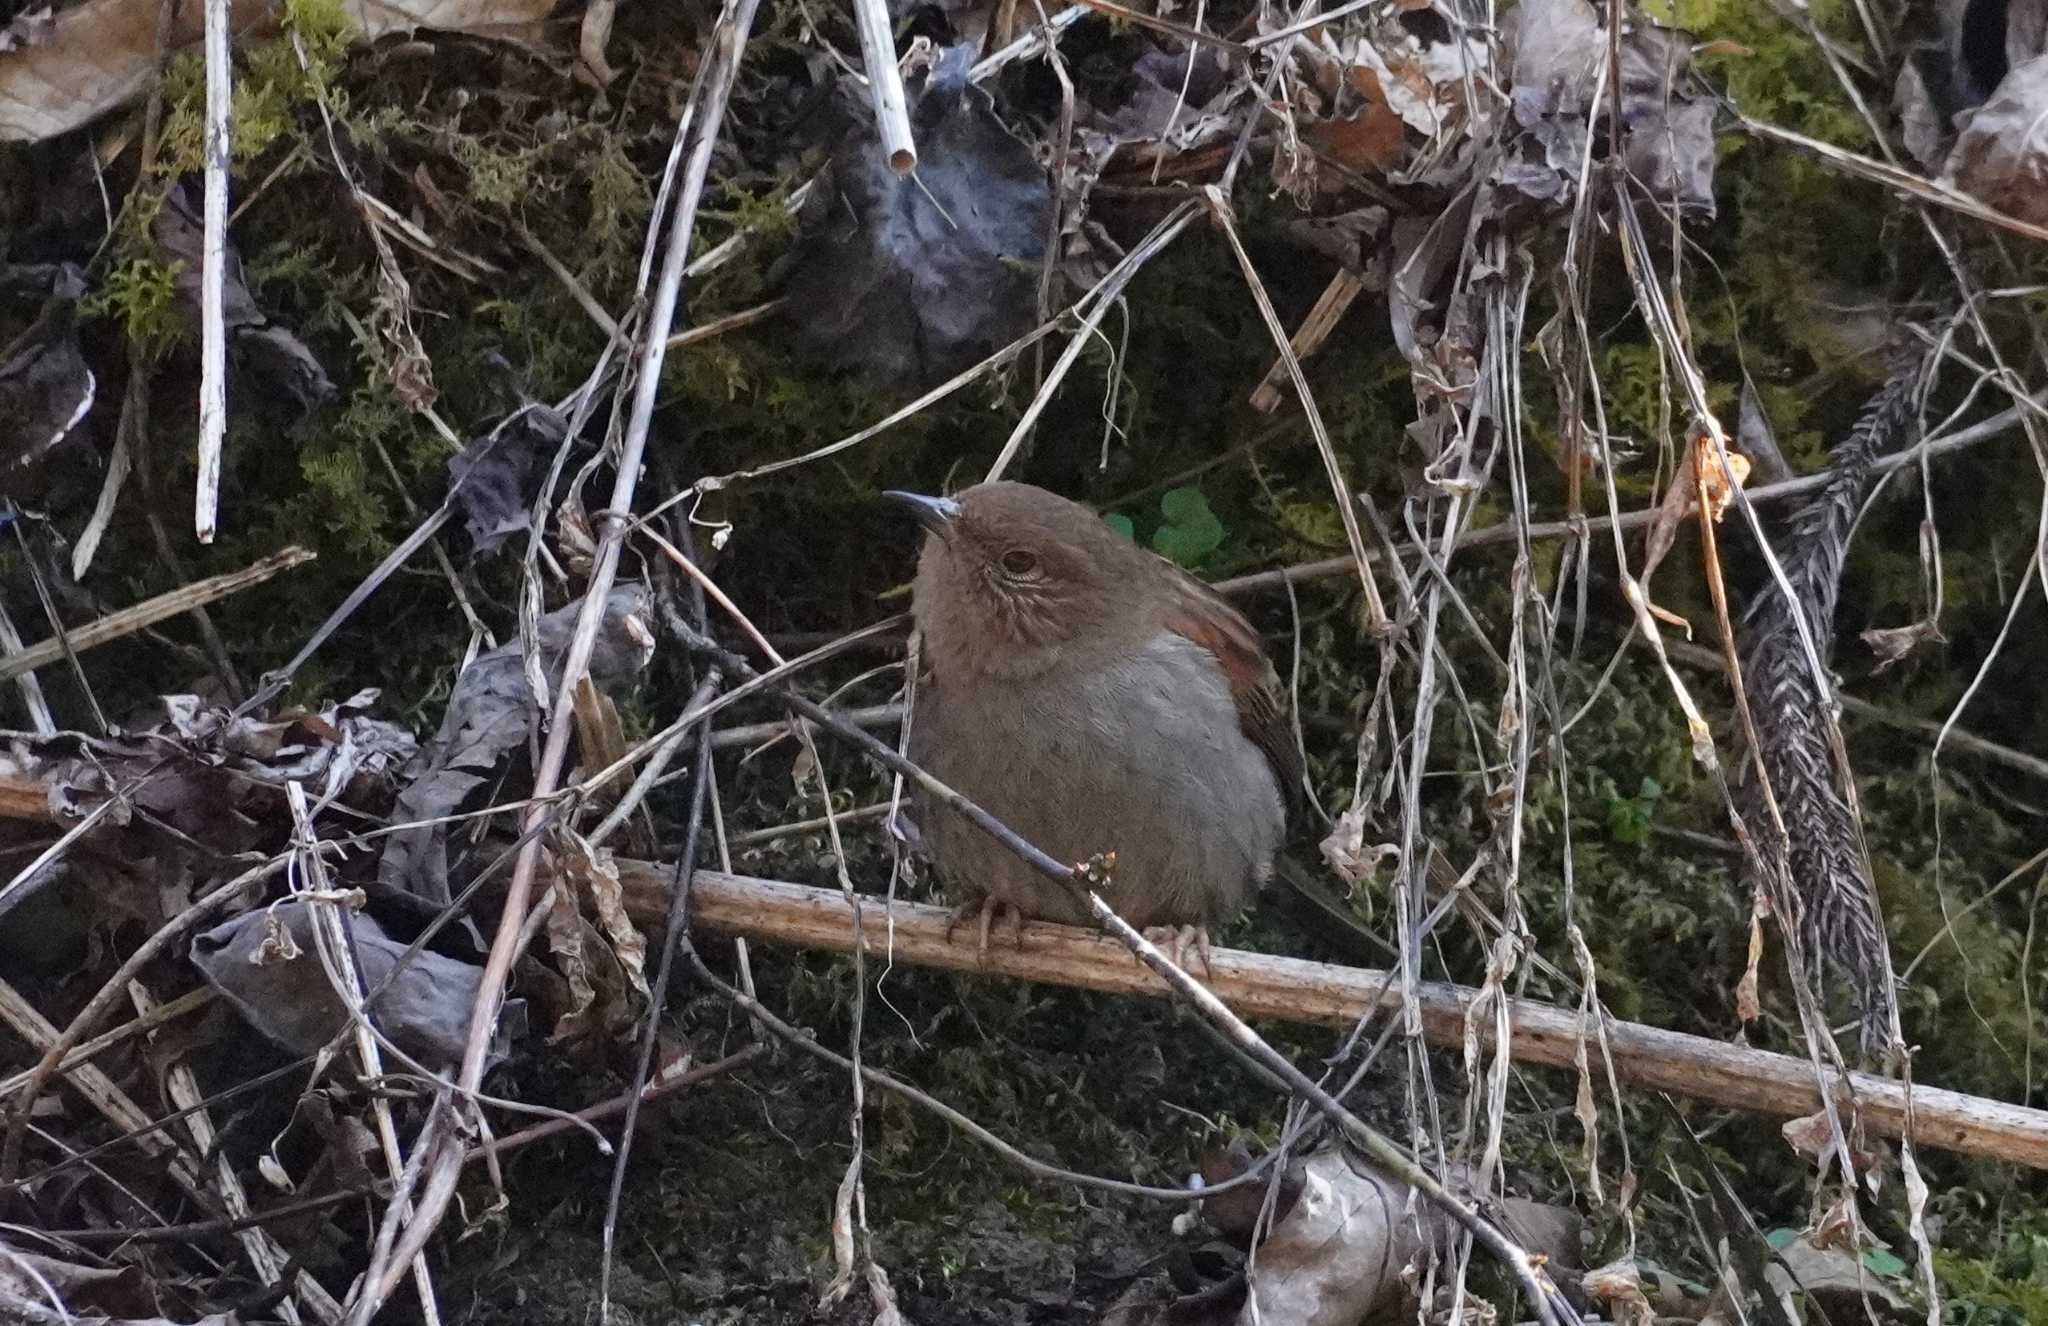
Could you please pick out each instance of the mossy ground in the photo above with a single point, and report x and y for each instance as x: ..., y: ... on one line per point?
x: 727, y: 1216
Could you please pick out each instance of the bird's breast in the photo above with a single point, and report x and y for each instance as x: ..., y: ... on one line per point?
x: 1139, y: 752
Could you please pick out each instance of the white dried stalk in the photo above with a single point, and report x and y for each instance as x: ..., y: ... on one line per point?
x: 213, y: 324
x: 350, y: 989
x: 885, y: 84
x: 119, y: 463
x: 39, y: 715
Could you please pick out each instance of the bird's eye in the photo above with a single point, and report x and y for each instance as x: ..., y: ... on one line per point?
x: 1020, y: 561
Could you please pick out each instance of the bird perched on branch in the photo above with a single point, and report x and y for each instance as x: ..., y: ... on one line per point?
x: 1095, y: 698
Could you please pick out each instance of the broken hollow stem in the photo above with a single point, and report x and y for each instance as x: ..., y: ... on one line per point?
x: 1543, y: 1293
x: 885, y: 84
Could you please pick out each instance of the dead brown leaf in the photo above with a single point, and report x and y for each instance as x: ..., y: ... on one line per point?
x: 2001, y: 157
x: 66, y: 70
x: 1893, y: 644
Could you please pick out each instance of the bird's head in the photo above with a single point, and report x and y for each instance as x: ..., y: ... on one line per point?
x: 1012, y: 577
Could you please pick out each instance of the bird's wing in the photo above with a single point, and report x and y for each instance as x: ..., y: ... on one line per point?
x: 1201, y: 615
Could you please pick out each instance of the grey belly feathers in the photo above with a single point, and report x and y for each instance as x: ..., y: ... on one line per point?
x: 1148, y: 762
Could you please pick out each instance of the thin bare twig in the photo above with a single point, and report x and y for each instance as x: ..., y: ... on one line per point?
x: 151, y: 611
x: 115, y: 987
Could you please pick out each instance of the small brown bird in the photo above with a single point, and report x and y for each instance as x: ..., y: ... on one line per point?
x: 1096, y: 698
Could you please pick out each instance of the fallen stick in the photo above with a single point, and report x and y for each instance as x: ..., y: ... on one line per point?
x: 1329, y: 310
x: 151, y: 611
x: 1294, y: 990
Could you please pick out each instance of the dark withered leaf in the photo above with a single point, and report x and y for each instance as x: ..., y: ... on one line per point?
x: 46, y: 388
x: 265, y: 963
x: 490, y: 713
x: 1667, y: 119
x: 273, y: 354
x: 1558, y: 47
x: 491, y: 474
x: 906, y: 280
x: 96, y: 1290
x: 1165, y: 88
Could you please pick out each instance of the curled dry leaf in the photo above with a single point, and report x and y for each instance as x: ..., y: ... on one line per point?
x: 63, y: 70
x: 1921, y: 130
x: 1347, y: 853
x: 350, y: 1144
x: 595, y: 876
x: 1619, y: 1287
x: 490, y: 476
x: 570, y: 943
x: 1701, y: 485
x: 1748, y: 1006
x: 2001, y: 156
x: 490, y: 713
x: 1894, y: 644
x: 284, y: 991
x: 910, y: 279
x: 1812, y: 1137
x: 46, y: 388
x: 1338, y: 1257
x: 94, y: 1293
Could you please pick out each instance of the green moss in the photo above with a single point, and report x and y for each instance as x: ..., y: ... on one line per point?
x: 2009, y: 1288
x: 139, y: 293
x: 272, y: 88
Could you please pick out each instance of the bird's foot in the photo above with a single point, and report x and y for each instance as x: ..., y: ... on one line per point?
x: 988, y: 911
x: 1177, y: 939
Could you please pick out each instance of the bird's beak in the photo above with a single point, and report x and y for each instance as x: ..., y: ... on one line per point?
x: 934, y: 513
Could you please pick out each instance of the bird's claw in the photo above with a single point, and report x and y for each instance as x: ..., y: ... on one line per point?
x: 1176, y: 940
x: 987, y: 911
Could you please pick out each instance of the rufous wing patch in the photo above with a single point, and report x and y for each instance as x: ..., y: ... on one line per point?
x: 1200, y: 615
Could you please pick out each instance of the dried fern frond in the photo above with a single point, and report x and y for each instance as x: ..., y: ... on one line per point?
x: 1818, y: 877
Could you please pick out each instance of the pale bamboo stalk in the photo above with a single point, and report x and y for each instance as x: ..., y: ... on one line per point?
x: 39, y: 715
x: 169, y: 1011
x: 119, y: 463
x: 746, y: 317
x: 327, y: 922
x: 1259, y: 985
